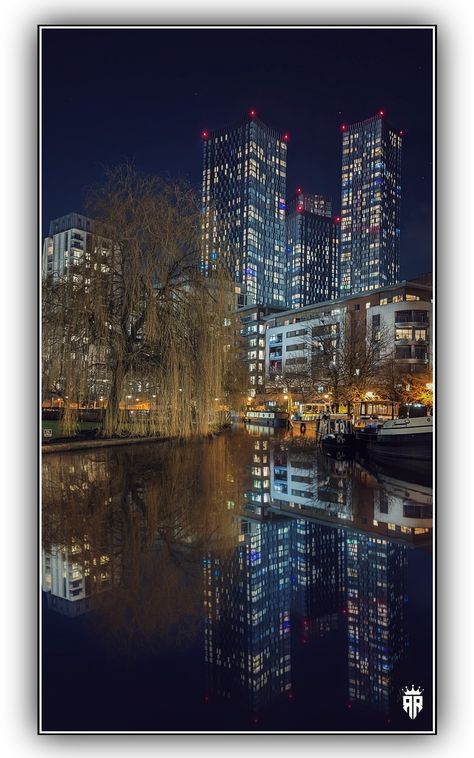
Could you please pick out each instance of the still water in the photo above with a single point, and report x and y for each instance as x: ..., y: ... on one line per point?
x: 241, y: 583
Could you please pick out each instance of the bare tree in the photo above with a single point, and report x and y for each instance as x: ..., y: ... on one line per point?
x: 392, y: 381
x: 136, y: 306
x: 347, y: 359
x: 294, y: 382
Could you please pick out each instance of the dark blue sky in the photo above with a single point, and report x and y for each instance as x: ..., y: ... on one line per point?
x: 110, y: 94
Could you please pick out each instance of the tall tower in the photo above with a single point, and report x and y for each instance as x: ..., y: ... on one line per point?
x: 243, y: 199
x: 370, y: 206
x: 313, y: 238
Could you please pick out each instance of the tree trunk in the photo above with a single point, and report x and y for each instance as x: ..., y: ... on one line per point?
x: 112, y: 420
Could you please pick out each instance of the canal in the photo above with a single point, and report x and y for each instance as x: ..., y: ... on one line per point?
x: 241, y: 583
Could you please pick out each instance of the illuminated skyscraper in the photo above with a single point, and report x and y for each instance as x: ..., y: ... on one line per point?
x: 243, y: 199
x: 370, y: 206
x: 313, y: 238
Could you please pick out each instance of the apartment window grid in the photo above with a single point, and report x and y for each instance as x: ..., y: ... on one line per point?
x: 244, y: 186
x: 370, y: 207
x: 312, y: 250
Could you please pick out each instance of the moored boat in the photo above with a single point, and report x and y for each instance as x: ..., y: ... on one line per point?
x: 279, y: 419
x: 401, y: 438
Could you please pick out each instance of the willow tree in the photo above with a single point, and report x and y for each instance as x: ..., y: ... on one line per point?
x: 135, y: 306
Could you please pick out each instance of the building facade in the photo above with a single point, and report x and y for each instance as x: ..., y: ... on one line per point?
x: 370, y: 206
x: 401, y: 313
x: 312, y: 251
x: 250, y: 343
x: 243, y: 203
x: 68, y: 241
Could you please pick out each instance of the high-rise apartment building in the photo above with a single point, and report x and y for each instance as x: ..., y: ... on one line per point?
x: 243, y: 194
x: 312, y: 250
x: 69, y: 239
x: 370, y: 206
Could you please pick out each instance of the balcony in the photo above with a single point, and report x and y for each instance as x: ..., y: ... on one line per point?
x: 410, y: 318
x: 414, y: 361
x: 410, y: 341
x: 418, y: 324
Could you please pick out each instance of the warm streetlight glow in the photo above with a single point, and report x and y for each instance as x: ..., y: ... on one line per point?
x: 429, y: 386
x: 369, y: 395
x: 326, y: 397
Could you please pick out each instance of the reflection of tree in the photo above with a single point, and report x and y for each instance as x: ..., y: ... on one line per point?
x: 153, y: 511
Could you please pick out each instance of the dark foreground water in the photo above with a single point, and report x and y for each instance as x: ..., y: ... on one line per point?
x: 243, y: 583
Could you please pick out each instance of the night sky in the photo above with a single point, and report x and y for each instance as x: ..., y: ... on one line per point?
x: 110, y: 94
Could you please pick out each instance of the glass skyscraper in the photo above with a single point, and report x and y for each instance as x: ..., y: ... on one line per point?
x: 370, y: 206
x: 312, y: 248
x: 243, y: 197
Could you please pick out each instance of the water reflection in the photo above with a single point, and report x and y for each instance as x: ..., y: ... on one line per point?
x: 249, y: 548
x: 247, y: 616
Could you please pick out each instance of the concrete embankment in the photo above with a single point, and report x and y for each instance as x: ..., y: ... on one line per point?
x: 94, y: 444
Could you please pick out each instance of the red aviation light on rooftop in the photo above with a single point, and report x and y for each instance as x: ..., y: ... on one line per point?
x: 252, y: 112
x: 344, y: 127
x: 337, y: 219
x: 204, y: 134
x: 381, y: 113
x: 285, y: 137
x: 401, y: 133
x: 299, y: 190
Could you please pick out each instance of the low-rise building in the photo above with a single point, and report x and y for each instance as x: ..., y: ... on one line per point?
x: 401, y: 313
x: 250, y: 338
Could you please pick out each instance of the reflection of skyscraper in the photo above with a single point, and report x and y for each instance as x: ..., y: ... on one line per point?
x: 247, y: 616
x: 318, y: 558
x: 243, y: 191
x: 377, y: 640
